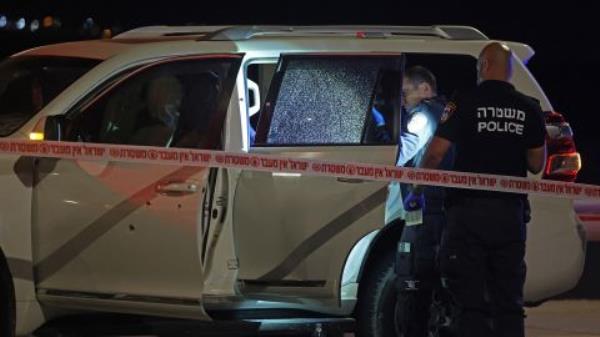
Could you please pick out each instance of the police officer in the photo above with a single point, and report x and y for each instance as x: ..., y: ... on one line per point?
x: 497, y: 130
x: 415, y: 263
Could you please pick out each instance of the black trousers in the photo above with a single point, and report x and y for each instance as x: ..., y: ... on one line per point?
x: 482, y: 262
x: 417, y: 273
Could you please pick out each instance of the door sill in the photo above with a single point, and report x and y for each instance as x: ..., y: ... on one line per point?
x: 123, y: 303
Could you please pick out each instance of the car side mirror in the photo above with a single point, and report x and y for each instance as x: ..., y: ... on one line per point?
x: 49, y: 128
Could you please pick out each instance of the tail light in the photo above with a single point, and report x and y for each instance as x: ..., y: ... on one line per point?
x: 567, y: 164
x: 563, y: 162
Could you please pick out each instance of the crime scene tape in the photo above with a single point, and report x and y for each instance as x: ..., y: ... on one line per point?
x: 272, y: 163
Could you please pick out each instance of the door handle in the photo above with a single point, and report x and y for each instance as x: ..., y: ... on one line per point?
x: 176, y: 188
x: 350, y: 180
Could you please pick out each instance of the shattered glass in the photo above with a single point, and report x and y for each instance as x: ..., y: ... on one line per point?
x: 323, y: 100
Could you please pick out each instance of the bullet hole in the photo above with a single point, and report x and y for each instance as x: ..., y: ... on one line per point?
x: 179, y: 206
x: 131, y: 228
x: 148, y: 203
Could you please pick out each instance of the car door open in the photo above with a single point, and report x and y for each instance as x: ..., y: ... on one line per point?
x: 295, y: 231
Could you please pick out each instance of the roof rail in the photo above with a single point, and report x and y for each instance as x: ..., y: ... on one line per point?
x: 165, y: 31
x: 240, y: 33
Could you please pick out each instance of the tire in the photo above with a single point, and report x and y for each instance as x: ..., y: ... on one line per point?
x: 408, y: 320
x: 377, y: 299
x: 7, y: 301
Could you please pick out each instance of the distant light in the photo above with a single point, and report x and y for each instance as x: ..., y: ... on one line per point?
x: 47, y: 22
x: 21, y: 23
x: 35, y: 25
x: 3, y: 21
x: 88, y: 23
x: 106, y: 33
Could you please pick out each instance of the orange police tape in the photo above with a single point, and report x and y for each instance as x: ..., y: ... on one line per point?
x: 270, y: 163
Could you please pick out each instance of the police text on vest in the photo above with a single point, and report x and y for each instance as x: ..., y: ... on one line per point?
x: 496, y: 119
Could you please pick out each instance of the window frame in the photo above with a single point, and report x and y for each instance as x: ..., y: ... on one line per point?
x: 245, y: 67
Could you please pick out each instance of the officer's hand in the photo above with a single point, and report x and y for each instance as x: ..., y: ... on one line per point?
x: 377, y: 117
x: 414, y: 201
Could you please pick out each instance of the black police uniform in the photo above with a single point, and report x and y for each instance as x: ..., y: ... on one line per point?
x: 483, y: 248
x: 416, y: 269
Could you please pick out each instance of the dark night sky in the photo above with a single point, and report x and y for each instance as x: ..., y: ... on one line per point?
x: 565, y: 35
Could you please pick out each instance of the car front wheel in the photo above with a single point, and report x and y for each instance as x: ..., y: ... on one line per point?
x: 377, y: 300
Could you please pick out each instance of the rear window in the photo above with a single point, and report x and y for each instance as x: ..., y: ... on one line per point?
x: 28, y: 84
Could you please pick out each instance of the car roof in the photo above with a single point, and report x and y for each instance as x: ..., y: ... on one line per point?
x: 91, y: 49
x: 242, y: 37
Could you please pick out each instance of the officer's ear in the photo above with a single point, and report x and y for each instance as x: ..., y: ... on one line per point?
x: 483, y: 65
x: 425, y: 89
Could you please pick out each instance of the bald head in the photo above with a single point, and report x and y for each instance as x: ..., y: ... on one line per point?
x: 495, y: 62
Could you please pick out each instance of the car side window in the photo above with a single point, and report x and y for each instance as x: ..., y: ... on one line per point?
x: 326, y: 100
x: 258, y: 80
x: 453, y: 72
x: 176, y: 104
x: 29, y: 83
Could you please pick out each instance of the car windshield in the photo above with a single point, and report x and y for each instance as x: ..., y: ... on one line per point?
x: 29, y: 83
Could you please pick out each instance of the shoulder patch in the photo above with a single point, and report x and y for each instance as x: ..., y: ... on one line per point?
x: 448, y: 111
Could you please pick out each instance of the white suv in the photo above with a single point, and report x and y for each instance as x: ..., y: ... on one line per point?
x: 192, y: 242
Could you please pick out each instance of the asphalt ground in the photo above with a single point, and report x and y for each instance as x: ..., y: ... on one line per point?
x: 559, y: 318
x: 564, y: 318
